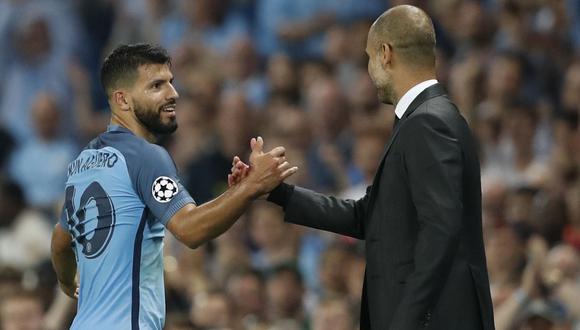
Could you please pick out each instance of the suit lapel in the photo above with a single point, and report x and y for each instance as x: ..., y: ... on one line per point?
x: 429, y: 93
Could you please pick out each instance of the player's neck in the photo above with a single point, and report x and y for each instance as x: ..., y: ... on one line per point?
x: 135, y: 127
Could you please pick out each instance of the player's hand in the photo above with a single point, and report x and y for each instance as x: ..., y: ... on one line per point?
x: 239, y: 172
x: 267, y: 170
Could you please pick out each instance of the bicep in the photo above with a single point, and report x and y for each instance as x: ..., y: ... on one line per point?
x: 176, y: 222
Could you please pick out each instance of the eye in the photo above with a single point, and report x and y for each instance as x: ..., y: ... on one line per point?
x: 156, y: 85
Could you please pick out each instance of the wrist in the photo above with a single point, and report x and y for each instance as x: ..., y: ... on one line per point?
x: 248, y: 190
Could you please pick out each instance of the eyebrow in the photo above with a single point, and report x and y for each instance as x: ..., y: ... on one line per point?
x: 157, y: 81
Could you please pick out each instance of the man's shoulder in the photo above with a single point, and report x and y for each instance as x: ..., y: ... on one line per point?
x: 437, y: 110
x: 133, y: 148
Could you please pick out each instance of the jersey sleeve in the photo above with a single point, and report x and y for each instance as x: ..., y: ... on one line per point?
x: 159, y: 186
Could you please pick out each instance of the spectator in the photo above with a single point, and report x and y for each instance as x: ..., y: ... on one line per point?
x: 333, y: 314
x: 24, y: 233
x: 285, y: 293
x: 211, y: 310
x: 274, y: 239
x: 38, y: 46
x: 245, y: 287
x: 511, y: 66
x: 21, y: 310
x: 38, y: 165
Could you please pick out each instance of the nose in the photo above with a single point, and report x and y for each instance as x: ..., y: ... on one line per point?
x: 173, y: 92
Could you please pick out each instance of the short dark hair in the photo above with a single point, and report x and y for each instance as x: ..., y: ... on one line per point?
x: 523, y: 107
x: 121, y: 66
x: 286, y: 269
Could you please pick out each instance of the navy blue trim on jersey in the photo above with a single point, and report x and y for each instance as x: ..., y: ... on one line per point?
x: 136, y: 271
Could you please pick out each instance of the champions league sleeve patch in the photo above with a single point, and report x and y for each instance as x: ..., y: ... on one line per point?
x: 164, y: 188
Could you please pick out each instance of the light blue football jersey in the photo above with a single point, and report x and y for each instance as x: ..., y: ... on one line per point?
x: 120, y: 192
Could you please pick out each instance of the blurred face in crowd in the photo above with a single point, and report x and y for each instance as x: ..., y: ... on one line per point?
x: 153, y: 98
x: 368, y: 151
x: 504, y: 77
x: 241, y: 60
x: 233, y: 122
x: 333, y: 315
x: 282, y: 76
x: 21, y: 313
x: 33, y: 39
x: 247, y: 293
x: 332, y: 276
x: 211, y: 310
x: 522, y: 128
x: 46, y: 116
x: 326, y: 107
x: 285, y: 294
x: 268, y: 229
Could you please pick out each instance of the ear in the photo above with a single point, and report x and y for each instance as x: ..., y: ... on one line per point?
x: 121, y: 99
x: 386, y: 55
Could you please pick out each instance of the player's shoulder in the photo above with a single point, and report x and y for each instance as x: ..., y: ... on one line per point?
x: 132, y: 147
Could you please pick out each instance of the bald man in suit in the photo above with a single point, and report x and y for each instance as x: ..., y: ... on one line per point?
x: 421, y: 218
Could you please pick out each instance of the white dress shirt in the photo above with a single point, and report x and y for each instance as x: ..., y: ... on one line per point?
x: 410, y: 95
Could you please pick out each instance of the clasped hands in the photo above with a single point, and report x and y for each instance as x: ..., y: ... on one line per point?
x: 266, y: 169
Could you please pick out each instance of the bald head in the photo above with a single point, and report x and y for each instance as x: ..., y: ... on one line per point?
x: 409, y: 31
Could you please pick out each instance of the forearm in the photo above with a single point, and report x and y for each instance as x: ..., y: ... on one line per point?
x: 195, y: 225
x: 63, y: 261
x: 308, y: 208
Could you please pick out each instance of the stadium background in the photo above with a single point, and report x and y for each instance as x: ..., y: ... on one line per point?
x: 294, y: 71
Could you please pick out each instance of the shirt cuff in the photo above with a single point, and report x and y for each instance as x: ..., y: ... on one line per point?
x: 281, y: 194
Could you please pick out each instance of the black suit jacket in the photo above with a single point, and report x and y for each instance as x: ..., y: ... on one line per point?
x: 421, y: 220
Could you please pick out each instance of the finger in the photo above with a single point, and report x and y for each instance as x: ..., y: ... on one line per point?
x: 283, y: 167
x: 257, y: 145
x: 240, y: 165
x: 245, y: 172
x: 278, y: 152
x: 236, y: 176
x: 230, y: 180
x: 235, y: 160
x: 289, y: 172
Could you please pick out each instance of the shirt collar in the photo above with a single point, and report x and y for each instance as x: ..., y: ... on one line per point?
x: 410, y: 95
x: 117, y: 128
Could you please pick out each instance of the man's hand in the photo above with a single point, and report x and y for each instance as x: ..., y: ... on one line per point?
x: 266, y: 170
x: 239, y: 172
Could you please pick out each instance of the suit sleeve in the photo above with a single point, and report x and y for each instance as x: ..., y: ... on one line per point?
x: 159, y: 186
x: 433, y: 160
x: 311, y: 209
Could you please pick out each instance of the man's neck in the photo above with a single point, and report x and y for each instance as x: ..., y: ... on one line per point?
x: 134, y: 126
x: 408, y: 81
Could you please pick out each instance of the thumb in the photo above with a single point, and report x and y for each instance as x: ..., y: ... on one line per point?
x: 257, y: 145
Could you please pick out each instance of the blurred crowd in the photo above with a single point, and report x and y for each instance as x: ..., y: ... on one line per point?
x: 294, y: 72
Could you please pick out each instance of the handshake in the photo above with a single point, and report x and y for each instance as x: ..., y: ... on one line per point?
x: 265, y: 171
